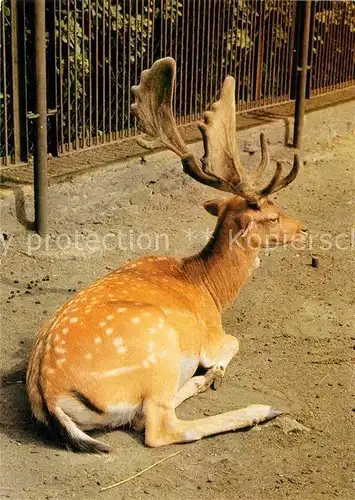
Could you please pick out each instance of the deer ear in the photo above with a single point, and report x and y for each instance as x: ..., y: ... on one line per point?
x: 212, y: 206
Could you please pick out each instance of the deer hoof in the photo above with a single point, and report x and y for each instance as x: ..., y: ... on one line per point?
x: 214, y: 377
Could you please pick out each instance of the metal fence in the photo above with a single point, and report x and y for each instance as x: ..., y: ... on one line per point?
x: 332, y: 46
x: 96, y: 50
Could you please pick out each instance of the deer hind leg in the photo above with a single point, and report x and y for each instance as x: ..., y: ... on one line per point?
x: 194, y: 386
x: 164, y: 428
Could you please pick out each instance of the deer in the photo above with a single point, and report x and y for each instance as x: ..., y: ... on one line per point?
x: 125, y: 350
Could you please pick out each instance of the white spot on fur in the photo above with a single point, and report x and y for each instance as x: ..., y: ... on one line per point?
x: 121, y: 309
x: 102, y: 324
x: 88, y: 356
x: 121, y: 350
x: 152, y: 330
x: 135, y: 320
x: 171, y: 333
x: 115, y: 372
x: 65, y: 331
x: 152, y: 358
x: 74, y: 320
x: 109, y: 331
x: 60, y: 361
x: 109, y: 317
x: 60, y: 350
x: 97, y: 340
x: 118, y: 341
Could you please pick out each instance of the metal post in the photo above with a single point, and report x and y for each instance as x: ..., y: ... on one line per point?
x: 302, y: 75
x: 40, y: 156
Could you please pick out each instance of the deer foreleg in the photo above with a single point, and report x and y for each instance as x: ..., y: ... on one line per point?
x: 198, y: 384
x: 216, y: 362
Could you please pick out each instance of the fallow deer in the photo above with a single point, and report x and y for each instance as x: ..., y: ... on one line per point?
x: 125, y: 349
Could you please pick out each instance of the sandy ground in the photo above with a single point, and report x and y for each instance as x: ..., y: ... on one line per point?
x: 295, y: 324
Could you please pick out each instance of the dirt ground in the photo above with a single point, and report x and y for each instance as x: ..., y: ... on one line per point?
x: 295, y: 324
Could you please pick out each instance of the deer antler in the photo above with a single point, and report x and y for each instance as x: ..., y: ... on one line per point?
x: 153, y: 105
x: 153, y: 110
x: 220, y: 167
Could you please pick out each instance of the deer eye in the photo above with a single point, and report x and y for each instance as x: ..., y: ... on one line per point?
x: 274, y: 220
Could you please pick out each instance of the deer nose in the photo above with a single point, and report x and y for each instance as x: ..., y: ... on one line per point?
x: 303, y: 230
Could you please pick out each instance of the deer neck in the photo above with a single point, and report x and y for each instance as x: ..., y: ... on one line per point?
x: 222, y: 267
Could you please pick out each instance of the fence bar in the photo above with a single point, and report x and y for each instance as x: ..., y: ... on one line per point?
x: 52, y: 97
x: 90, y: 132
x: 69, y: 84
x: 103, y: 86
x: 302, y: 75
x: 61, y: 97
x: 3, y: 88
x: 197, y: 113
x: 96, y: 72
x: 109, y: 71
x: 40, y: 156
x: 76, y: 139
x: 15, y: 80
x: 83, y: 104
x: 260, y: 52
x: 123, y: 131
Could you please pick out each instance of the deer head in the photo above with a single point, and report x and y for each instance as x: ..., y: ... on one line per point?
x: 254, y: 227
x: 249, y: 211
